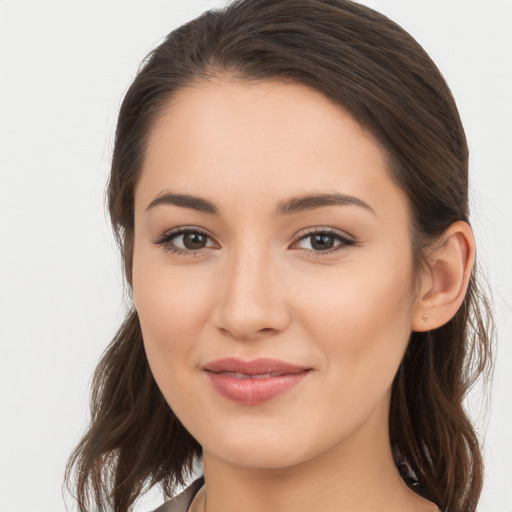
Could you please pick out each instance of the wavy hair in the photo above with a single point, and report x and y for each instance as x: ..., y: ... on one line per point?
x: 373, y: 68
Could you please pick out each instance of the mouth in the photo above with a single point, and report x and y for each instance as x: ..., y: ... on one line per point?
x: 237, y: 375
x: 254, y: 382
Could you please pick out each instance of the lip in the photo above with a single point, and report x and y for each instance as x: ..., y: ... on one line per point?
x: 253, y: 382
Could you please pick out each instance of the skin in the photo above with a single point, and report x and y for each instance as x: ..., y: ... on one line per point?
x: 260, y: 289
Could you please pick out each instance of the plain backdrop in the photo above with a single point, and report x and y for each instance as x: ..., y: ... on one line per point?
x: 64, y: 66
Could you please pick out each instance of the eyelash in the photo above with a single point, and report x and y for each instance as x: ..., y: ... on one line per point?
x: 166, y: 241
x: 344, y: 241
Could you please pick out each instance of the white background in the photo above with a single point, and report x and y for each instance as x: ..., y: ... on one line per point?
x: 64, y: 66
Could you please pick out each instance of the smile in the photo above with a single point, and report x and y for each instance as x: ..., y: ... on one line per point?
x: 237, y: 375
x: 253, y: 382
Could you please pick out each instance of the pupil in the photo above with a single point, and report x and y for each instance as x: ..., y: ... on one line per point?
x: 194, y: 241
x: 322, y: 242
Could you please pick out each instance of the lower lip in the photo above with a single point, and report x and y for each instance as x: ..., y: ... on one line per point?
x: 254, y: 391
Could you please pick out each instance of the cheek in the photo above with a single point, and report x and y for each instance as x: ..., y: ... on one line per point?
x: 172, y: 306
x: 361, y: 319
x: 167, y: 297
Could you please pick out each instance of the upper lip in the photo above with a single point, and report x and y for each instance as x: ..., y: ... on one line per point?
x: 258, y: 366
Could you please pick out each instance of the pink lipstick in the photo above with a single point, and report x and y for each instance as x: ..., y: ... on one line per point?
x: 253, y: 382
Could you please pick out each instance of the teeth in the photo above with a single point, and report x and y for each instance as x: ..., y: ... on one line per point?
x: 236, y: 375
x: 265, y: 375
x: 243, y: 376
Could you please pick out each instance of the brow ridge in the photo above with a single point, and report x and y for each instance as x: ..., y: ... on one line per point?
x: 313, y: 201
x: 287, y: 207
x: 185, y: 201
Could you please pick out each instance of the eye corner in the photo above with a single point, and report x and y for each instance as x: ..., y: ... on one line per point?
x: 345, y: 241
x: 167, y: 238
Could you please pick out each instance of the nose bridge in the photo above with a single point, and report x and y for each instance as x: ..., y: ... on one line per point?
x: 251, y: 299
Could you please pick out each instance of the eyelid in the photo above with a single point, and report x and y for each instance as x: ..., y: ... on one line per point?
x: 179, y: 231
x: 325, y: 229
x: 345, y: 239
x: 165, y: 240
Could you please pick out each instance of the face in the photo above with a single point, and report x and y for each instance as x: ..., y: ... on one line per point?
x: 272, y: 272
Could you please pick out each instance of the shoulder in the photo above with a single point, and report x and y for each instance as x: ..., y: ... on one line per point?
x: 182, y: 502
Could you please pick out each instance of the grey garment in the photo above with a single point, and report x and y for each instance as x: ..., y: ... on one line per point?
x: 182, y: 502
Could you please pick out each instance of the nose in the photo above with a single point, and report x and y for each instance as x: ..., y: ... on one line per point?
x: 252, y: 302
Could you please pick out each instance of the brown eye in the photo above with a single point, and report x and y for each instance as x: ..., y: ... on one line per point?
x: 194, y: 241
x: 318, y: 242
x: 322, y: 242
x: 186, y: 241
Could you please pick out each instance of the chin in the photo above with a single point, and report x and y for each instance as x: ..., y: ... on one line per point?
x: 259, y: 457
x: 261, y: 448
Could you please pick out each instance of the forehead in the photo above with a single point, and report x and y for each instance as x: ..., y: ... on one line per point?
x: 264, y: 140
x: 224, y: 111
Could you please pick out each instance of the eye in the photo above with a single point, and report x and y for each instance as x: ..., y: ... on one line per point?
x: 324, y: 241
x: 185, y: 241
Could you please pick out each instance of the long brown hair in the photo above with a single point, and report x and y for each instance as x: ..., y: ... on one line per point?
x: 381, y: 75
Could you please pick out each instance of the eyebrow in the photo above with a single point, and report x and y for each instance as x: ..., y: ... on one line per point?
x: 185, y: 201
x: 313, y: 201
x: 289, y: 206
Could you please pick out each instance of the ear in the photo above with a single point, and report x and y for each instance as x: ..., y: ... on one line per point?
x: 445, y: 280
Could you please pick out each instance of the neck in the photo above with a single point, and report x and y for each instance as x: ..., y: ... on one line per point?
x: 358, y: 474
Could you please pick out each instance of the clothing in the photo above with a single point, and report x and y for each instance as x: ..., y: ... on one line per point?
x: 181, y: 503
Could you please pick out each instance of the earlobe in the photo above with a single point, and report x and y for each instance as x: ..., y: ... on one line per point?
x: 444, y: 283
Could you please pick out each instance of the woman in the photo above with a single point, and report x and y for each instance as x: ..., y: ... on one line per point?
x: 289, y: 191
